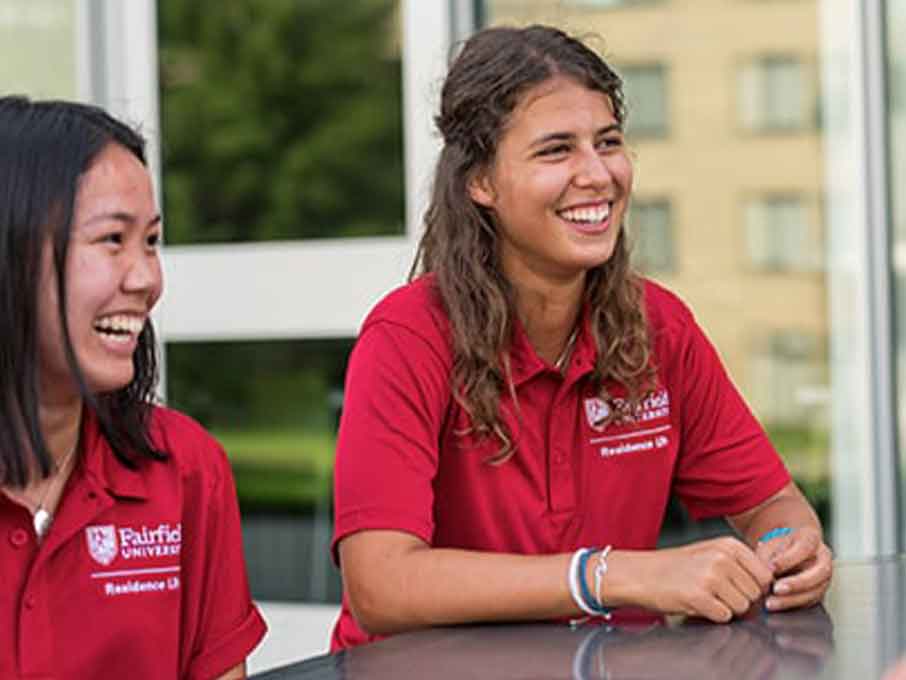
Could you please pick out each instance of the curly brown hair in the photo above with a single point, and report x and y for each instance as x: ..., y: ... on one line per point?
x: 460, y: 244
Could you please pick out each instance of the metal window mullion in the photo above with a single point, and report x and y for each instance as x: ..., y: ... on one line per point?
x: 879, y: 272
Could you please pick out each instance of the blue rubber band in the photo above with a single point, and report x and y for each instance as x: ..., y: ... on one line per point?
x: 779, y: 532
x: 583, y: 585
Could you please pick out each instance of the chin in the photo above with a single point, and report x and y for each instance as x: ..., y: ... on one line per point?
x: 109, y: 382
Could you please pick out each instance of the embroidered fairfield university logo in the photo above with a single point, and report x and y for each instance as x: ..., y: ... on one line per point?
x: 656, y: 405
x: 597, y: 412
x: 102, y: 544
x: 161, y: 541
x: 107, y: 542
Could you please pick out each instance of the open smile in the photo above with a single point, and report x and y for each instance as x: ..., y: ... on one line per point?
x: 588, y: 219
x: 120, y: 329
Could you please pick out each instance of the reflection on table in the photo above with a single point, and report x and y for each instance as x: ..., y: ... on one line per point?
x: 859, y: 633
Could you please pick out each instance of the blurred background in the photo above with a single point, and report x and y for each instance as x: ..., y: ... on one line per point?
x: 293, y: 148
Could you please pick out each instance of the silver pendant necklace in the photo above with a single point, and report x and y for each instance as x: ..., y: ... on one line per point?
x: 42, y: 518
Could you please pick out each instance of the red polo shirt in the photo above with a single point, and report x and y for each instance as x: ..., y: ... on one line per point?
x: 402, y: 464
x: 142, y: 573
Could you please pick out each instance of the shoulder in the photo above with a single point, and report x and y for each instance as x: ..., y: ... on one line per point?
x: 666, y: 312
x: 416, y: 304
x: 413, y: 312
x: 190, y: 447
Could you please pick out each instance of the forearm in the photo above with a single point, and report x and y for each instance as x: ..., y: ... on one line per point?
x: 395, y: 586
x: 788, y: 508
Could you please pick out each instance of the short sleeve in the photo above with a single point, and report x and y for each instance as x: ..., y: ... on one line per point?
x: 726, y: 463
x: 225, y: 625
x: 396, y: 398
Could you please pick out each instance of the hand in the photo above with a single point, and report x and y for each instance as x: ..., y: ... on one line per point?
x: 805, y: 566
x: 715, y: 579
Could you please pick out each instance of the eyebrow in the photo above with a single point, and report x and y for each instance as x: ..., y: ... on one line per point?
x: 119, y: 216
x: 566, y: 136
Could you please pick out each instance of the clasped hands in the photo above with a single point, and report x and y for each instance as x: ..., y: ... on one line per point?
x: 723, y: 577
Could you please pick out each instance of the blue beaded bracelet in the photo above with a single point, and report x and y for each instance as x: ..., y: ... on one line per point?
x: 779, y: 532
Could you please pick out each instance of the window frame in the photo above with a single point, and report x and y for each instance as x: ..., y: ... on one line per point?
x: 123, y: 54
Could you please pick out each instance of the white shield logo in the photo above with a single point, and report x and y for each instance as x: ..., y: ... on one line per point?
x: 596, y: 410
x: 102, y: 543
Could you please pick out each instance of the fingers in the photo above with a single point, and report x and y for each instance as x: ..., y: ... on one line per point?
x: 787, y: 553
x: 733, y: 578
x: 805, y: 587
x: 756, y: 569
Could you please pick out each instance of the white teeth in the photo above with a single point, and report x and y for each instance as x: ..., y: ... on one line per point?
x: 592, y: 215
x: 124, y: 324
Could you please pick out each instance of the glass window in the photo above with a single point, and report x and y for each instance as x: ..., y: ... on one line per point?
x: 646, y: 94
x: 780, y: 234
x: 652, y: 230
x: 30, y: 30
x: 274, y: 405
x: 896, y: 69
x: 281, y: 120
x: 773, y: 94
x: 790, y: 392
x: 609, y: 4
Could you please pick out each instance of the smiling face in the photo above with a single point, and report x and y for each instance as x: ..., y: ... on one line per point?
x: 559, y: 184
x: 113, y: 278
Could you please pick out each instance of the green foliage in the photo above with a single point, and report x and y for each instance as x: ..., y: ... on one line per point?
x: 281, y: 119
x: 258, y: 386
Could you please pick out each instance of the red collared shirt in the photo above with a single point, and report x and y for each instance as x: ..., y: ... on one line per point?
x: 403, y: 464
x: 142, y: 573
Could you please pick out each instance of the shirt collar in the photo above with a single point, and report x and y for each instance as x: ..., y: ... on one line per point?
x: 525, y: 362
x: 103, y: 467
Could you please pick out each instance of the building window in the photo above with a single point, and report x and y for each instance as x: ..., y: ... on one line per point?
x: 611, y: 4
x: 774, y: 94
x: 789, y: 380
x: 653, y: 251
x: 781, y: 234
x: 646, y: 96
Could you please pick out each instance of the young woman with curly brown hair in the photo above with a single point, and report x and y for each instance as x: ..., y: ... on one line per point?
x: 518, y: 414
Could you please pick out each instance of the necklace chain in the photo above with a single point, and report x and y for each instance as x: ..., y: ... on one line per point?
x: 42, y: 518
x: 560, y: 363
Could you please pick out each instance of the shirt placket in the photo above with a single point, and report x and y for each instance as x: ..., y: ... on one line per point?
x: 560, y: 447
x: 36, y: 644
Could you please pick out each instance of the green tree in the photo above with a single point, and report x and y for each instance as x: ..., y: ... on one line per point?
x: 281, y: 119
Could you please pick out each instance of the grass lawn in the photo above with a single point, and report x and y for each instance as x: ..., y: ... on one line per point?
x: 281, y: 470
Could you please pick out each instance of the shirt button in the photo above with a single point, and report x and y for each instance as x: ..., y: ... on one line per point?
x: 30, y: 602
x: 18, y: 537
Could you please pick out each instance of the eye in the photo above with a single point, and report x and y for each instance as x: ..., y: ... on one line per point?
x: 611, y: 142
x: 553, y: 150
x: 153, y: 239
x: 114, y: 237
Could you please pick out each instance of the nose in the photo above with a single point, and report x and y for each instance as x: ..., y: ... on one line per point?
x: 143, y: 274
x: 593, y: 170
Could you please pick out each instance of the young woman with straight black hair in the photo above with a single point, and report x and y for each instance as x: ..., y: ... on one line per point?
x: 122, y: 551
x: 516, y: 417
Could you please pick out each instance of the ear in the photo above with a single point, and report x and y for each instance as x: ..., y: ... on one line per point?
x: 481, y: 190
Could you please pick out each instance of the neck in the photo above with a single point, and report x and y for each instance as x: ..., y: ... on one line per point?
x: 549, y: 312
x: 60, y: 424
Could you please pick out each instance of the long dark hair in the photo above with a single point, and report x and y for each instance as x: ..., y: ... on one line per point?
x: 460, y: 245
x: 45, y: 147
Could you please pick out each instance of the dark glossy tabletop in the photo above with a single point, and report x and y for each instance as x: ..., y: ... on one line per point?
x: 859, y: 632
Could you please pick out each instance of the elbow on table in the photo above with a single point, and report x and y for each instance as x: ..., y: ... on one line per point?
x: 374, y: 611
